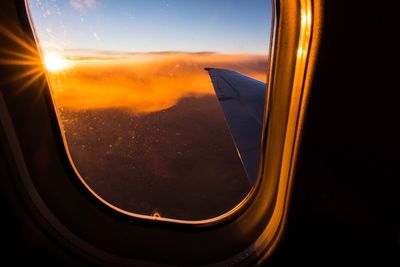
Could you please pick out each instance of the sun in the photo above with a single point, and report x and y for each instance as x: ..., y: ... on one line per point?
x: 55, y: 62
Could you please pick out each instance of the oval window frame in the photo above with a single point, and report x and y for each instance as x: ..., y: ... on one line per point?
x: 252, y: 228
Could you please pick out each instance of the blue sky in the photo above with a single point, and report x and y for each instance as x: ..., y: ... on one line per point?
x: 225, y: 26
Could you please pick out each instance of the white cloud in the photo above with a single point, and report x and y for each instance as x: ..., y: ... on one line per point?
x: 81, y: 5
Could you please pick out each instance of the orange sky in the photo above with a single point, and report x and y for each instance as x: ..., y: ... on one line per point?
x: 143, y: 82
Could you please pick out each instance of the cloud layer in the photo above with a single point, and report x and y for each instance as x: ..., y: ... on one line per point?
x: 144, y: 82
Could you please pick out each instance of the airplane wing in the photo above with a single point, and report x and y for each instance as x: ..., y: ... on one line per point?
x: 242, y: 100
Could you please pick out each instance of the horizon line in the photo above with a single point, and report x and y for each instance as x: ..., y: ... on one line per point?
x: 132, y: 53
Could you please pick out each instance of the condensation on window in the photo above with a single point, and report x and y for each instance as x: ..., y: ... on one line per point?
x: 159, y: 101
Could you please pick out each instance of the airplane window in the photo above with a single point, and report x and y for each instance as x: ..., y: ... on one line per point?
x: 160, y: 102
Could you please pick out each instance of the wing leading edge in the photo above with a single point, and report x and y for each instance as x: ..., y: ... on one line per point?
x: 242, y: 100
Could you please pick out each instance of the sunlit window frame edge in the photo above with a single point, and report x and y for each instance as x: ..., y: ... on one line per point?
x: 309, y: 16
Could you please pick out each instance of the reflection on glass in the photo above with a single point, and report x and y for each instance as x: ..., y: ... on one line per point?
x: 140, y: 110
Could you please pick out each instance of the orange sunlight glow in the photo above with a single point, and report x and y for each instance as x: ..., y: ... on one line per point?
x: 143, y: 82
x: 55, y: 62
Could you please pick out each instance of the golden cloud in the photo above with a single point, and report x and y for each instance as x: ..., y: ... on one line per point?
x: 145, y: 82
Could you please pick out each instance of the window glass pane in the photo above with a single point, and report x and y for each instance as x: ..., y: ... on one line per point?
x: 160, y: 101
